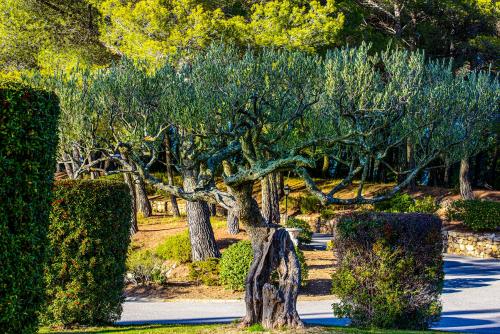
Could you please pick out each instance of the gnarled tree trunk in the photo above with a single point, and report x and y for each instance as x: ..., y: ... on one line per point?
x: 465, y: 184
x: 273, y: 304
x: 201, y: 234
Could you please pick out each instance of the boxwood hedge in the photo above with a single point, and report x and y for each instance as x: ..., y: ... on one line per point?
x: 88, y: 240
x: 28, y: 140
x: 390, y: 269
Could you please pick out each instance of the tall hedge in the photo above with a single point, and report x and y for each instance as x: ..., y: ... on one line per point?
x: 28, y: 140
x: 88, y: 242
x: 390, y: 270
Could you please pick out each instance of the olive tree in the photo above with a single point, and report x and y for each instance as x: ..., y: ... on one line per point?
x: 245, y: 116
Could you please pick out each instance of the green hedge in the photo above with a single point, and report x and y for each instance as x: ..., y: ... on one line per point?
x: 28, y: 140
x: 390, y: 270
x: 476, y: 214
x: 88, y: 242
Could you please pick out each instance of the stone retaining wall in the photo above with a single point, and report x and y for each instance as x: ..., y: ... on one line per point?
x: 483, y: 245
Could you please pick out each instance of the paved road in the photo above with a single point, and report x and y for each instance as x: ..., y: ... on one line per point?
x: 471, y: 303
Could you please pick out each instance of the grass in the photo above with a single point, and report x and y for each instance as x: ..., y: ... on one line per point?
x: 228, y: 329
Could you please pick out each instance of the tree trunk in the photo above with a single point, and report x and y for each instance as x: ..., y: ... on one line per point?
x: 271, y: 303
x: 446, y: 177
x: 326, y: 166
x: 410, y: 163
x: 465, y: 185
x: 201, y: 234
x: 128, y: 180
x: 280, y: 181
x: 233, y: 224
x: 170, y: 176
x: 141, y: 197
x: 270, y: 199
x: 213, y: 209
x: 68, y: 166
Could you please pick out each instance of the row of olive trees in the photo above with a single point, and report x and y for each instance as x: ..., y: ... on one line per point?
x: 242, y: 117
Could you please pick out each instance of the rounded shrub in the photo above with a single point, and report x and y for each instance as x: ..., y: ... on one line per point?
x: 176, y: 247
x: 205, y: 272
x: 89, y: 236
x: 389, y: 272
x: 305, y: 236
x: 28, y: 140
x: 235, y: 265
x: 476, y: 214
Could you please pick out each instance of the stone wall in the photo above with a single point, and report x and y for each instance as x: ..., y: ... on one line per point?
x: 483, y: 245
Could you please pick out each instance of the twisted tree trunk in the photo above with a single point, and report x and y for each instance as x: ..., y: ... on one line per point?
x: 271, y: 303
x: 465, y: 184
x: 201, y: 234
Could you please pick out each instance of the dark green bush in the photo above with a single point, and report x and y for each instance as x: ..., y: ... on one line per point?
x: 305, y: 236
x: 235, y: 265
x: 309, y: 204
x: 390, y: 270
x: 176, y: 247
x: 206, y: 272
x: 89, y: 235
x: 476, y: 214
x: 28, y: 140
x: 144, y: 268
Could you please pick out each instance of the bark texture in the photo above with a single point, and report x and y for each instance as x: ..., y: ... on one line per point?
x: 201, y: 234
x: 141, y: 197
x: 465, y: 184
x: 128, y: 180
x: 271, y: 303
x: 270, y: 199
x: 233, y: 223
x: 170, y: 175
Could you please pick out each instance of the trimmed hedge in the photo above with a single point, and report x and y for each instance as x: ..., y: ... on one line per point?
x: 206, y: 271
x: 89, y: 236
x: 28, y: 140
x: 476, y: 214
x: 390, y: 270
